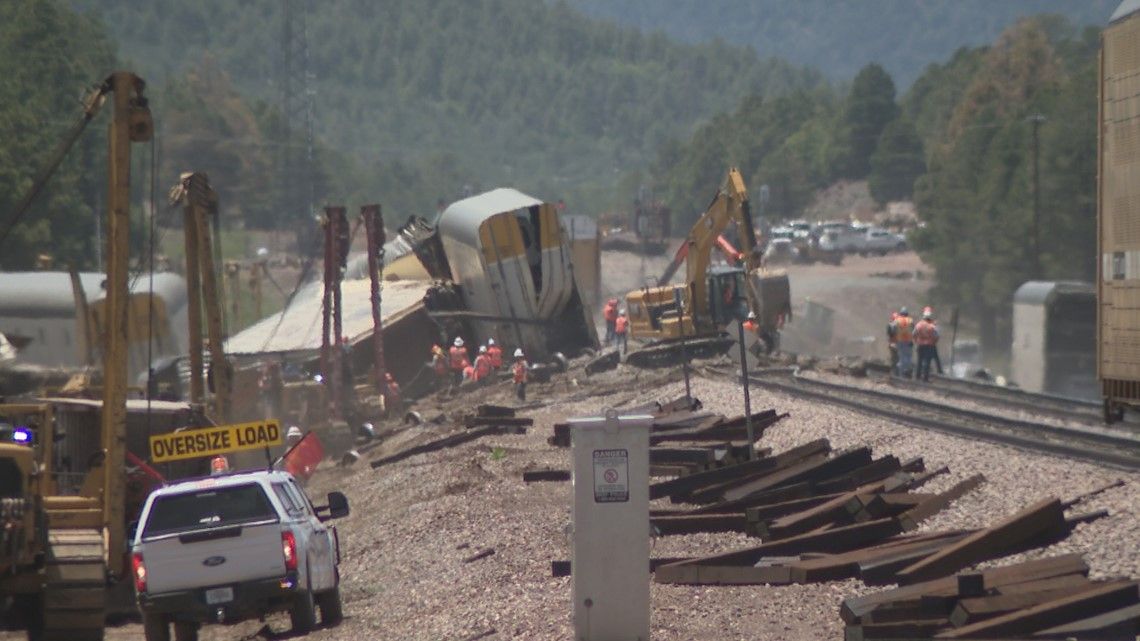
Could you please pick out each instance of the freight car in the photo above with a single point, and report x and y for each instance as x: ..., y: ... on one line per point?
x: 1118, y: 212
x: 1053, y: 346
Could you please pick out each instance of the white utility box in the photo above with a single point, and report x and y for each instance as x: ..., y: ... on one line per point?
x: 610, y: 566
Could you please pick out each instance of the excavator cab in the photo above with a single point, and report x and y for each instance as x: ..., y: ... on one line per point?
x: 728, y: 295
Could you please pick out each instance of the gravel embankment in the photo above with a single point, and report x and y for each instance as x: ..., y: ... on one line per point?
x: 415, y: 521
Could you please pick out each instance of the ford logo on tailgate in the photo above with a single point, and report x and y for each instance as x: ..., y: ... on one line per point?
x: 214, y: 561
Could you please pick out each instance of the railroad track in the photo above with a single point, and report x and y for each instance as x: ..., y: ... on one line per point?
x: 1058, y: 407
x: 1094, y: 444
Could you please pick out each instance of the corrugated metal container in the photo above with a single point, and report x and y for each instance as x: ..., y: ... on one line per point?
x: 1118, y: 212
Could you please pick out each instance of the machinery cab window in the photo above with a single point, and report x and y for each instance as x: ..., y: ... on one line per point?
x: 728, y: 300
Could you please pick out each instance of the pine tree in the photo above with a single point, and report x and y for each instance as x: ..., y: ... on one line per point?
x: 898, y: 160
x: 868, y: 109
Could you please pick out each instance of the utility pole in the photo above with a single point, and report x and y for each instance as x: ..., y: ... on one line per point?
x: 1036, y: 120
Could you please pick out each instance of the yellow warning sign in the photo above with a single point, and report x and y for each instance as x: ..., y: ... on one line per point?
x: 214, y: 440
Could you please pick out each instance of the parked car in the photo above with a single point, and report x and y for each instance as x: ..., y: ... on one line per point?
x: 880, y: 241
x: 230, y: 548
x: 841, y: 236
x: 779, y: 252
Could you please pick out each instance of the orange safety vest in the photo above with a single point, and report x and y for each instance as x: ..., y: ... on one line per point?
x: 458, y: 356
x: 609, y: 312
x: 482, y: 366
x: 519, y: 370
x: 621, y: 324
x: 496, y: 356
x: 925, y: 333
x: 750, y: 325
x: 439, y: 364
x: 904, y: 330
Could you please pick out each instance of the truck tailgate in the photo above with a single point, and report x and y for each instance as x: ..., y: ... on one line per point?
x: 207, y: 558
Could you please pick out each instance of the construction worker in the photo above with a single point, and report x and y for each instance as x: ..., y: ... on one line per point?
x: 482, y: 364
x: 393, y: 403
x: 458, y: 359
x: 468, y: 373
x: 903, y: 328
x: 892, y: 346
x: 937, y: 358
x: 926, y: 338
x: 621, y: 330
x: 519, y: 370
x: 439, y: 365
x: 495, y: 353
x: 750, y: 324
x: 610, y: 313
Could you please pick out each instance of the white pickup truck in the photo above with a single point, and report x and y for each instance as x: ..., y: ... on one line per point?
x: 229, y: 548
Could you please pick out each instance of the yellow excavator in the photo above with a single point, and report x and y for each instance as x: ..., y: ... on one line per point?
x: 58, y: 553
x: 711, y: 297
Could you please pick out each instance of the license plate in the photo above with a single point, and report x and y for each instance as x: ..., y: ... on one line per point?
x: 219, y: 595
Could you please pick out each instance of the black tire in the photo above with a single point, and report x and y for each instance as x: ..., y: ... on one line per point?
x: 185, y: 631
x: 155, y: 627
x: 332, y: 611
x: 303, y: 614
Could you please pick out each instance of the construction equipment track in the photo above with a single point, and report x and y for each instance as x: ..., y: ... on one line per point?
x: 74, y: 595
x: 1092, y: 444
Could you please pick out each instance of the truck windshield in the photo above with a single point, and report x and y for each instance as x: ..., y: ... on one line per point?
x: 214, y: 507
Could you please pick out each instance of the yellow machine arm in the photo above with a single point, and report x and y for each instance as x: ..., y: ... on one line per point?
x: 730, y: 204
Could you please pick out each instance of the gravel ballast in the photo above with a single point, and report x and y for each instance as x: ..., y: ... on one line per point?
x: 414, y: 522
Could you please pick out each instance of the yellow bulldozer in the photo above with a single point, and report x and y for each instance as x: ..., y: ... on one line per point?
x: 711, y: 297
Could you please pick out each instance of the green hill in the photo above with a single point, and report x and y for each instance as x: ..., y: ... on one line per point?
x: 508, y: 92
x: 841, y: 36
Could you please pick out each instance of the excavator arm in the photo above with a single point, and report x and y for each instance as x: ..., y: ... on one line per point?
x: 730, y: 204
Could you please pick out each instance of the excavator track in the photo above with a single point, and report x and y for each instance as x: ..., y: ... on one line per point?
x: 75, y: 582
x: 670, y: 352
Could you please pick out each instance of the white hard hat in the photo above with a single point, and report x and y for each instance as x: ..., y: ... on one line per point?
x: 294, y: 432
x: 518, y: 353
x: 262, y: 252
x: 621, y: 312
x: 752, y: 315
x: 490, y: 341
x: 482, y: 349
x: 458, y: 342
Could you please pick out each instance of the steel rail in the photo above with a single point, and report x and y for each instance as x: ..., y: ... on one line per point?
x: 1111, y: 450
x: 1055, y: 407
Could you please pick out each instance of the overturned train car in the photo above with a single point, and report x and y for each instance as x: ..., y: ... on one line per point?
x: 510, y: 261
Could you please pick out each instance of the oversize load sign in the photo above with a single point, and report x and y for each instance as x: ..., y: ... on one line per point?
x: 214, y: 440
x: 611, y: 476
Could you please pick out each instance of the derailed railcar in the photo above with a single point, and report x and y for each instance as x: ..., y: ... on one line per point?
x: 1118, y: 212
x: 511, y: 260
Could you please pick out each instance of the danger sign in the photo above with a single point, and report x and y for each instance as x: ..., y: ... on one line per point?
x: 214, y: 440
x: 611, y: 476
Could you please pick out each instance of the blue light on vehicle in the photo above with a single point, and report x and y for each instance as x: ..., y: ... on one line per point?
x: 22, y: 435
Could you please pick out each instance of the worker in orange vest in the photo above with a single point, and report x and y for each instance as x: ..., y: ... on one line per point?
x: 610, y: 313
x: 903, y: 330
x: 458, y: 357
x: 439, y: 365
x: 482, y: 364
x: 519, y: 370
x: 926, y: 338
x: 393, y: 404
x: 621, y: 331
x: 495, y: 353
x: 750, y: 324
x: 937, y: 358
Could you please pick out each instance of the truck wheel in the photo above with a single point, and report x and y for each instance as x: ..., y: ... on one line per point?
x: 303, y: 614
x: 185, y: 631
x: 332, y: 613
x: 155, y: 627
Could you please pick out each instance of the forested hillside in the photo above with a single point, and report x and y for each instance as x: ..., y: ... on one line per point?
x: 49, y: 57
x: 481, y: 93
x: 841, y: 36
x: 960, y: 142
